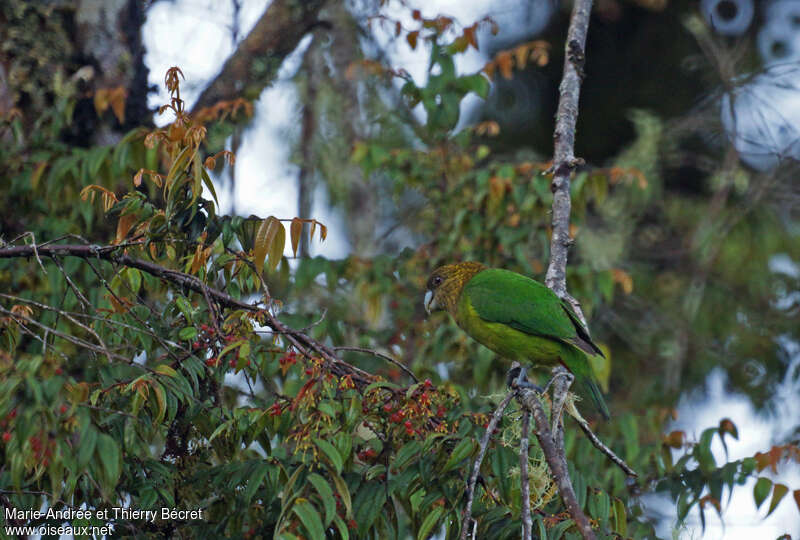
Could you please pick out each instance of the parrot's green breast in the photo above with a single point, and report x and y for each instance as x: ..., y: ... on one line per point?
x: 505, y: 340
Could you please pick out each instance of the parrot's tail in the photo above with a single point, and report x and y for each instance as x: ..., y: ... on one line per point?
x: 588, y: 387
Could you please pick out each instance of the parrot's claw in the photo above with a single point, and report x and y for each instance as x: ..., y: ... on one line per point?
x: 517, y: 378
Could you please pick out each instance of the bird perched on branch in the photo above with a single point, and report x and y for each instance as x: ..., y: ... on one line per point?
x: 518, y: 318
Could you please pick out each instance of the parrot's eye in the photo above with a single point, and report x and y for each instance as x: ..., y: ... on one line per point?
x: 436, y: 281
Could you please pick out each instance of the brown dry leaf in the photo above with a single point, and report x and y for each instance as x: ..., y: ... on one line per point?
x: 124, y: 226
x: 295, y: 230
x: 624, y: 279
x: 521, y: 54
x: 412, y: 39
x: 504, y: 63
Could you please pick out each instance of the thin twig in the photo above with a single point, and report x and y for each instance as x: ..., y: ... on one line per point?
x: 525, y: 482
x: 78, y: 294
x: 600, y: 445
x: 380, y: 355
x: 468, y: 523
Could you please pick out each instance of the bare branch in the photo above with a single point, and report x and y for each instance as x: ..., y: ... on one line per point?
x: 525, y: 483
x: 468, y: 523
x: 564, y: 160
x: 380, y: 355
x: 554, y: 455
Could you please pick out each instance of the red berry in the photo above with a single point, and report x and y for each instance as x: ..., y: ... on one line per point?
x: 63, y: 409
x: 196, y: 345
x: 6, y: 436
x: 12, y: 414
x: 232, y: 362
x: 211, y: 362
x: 59, y: 371
x: 427, y: 383
x: 408, y: 424
x: 309, y: 371
x: 388, y: 407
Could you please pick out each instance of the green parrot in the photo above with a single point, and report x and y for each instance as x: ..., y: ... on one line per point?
x: 516, y: 317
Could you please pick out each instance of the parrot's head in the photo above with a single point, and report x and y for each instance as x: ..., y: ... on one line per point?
x: 446, y: 283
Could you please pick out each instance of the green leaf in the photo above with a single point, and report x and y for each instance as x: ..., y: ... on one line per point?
x: 166, y: 369
x: 109, y: 456
x: 368, y: 503
x: 620, y: 518
x: 778, y: 493
x: 477, y: 83
x: 408, y: 452
x: 326, y: 494
x: 343, y: 531
x: 310, y: 518
x: 88, y: 441
x: 210, y: 185
x: 761, y: 490
x: 188, y: 333
x: 185, y: 307
x: 255, y: 480
x: 344, y: 492
x: 162, y: 401
x: 331, y: 453
x: 461, y: 451
x: 429, y: 522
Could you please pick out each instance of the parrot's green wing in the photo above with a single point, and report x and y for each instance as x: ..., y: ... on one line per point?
x: 526, y: 305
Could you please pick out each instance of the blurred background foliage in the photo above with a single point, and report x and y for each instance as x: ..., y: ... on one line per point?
x: 676, y: 263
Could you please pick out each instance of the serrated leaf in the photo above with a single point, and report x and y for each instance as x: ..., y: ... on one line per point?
x: 310, y: 518
x: 331, y: 453
x: 461, y: 451
x: 429, y: 522
x: 778, y: 493
x: 408, y: 452
x: 761, y: 490
x: 295, y: 230
x: 326, y: 494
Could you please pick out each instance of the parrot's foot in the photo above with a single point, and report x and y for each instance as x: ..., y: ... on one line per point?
x: 517, y: 377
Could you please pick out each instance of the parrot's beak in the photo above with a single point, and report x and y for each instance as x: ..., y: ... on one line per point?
x: 430, y: 301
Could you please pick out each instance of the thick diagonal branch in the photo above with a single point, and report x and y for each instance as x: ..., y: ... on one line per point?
x: 254, y: 64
